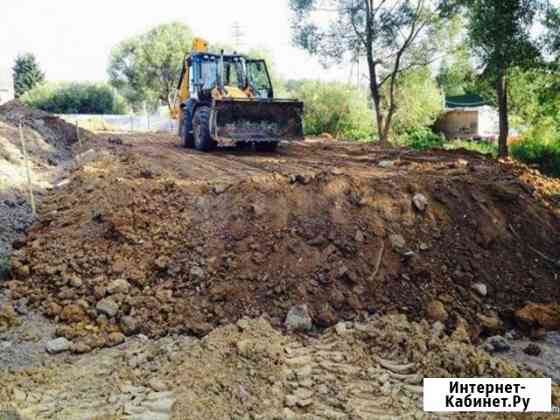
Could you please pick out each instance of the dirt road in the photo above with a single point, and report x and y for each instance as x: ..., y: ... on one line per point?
x: 164, y: 153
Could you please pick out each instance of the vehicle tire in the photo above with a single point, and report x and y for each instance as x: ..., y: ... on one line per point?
x: 201, y: 129
x: 267, y: 147
x: 181, y: 127
x: 243, y: 145
x: 188, y: 138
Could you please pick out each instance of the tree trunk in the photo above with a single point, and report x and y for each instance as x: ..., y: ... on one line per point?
x: 373, y: 83
x: 385, y: 140
x: 379, y: 119
x: 502, y: 92
x: 375, y: 95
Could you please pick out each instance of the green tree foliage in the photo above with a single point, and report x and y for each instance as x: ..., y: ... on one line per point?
x: 75, y: 98
x: 334, y: 108
x: 147, y: 67
x: 500, y: 34
x: 535, y: 97
x: 552, y: 33
x: 535, y: 103
x: 26, y: 73
x: 393, y: 37
x: 457, y: 75
x: 420, y: 101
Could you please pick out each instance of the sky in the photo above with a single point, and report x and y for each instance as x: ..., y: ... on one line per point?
x: 72, y: 39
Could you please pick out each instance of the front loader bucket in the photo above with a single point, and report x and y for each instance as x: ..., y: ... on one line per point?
x: 257, y: 120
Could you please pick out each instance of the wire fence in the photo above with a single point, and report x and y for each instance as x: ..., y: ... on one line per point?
x: 130, y: 123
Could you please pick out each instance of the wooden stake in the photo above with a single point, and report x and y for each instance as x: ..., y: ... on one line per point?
x: 78, y: 135
x: 27, y: 169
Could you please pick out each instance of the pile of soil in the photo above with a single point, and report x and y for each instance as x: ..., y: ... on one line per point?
x: 125, y: 248
x: 49, y: 142
x: 358, y: 370
x: 52, y: 129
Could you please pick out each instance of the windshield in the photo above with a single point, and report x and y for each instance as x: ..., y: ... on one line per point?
x: 209, y: 74
x: 234, y: 74
x: 258, y: 78
x: 237, y: 72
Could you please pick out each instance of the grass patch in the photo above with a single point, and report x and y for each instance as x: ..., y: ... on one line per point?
x: 480, y: 147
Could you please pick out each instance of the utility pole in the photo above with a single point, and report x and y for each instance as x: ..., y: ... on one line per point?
x: 238, y: 35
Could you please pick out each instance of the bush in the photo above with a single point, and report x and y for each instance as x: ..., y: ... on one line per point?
x: 535, y: 151
x: 75, y: 98
x: 334, y: 108
x: 419, y: 102
x: 422, y: 139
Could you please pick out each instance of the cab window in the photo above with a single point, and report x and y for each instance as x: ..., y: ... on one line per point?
x: 258, y: 78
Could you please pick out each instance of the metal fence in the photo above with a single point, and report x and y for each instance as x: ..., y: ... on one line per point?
x: 141, y: 123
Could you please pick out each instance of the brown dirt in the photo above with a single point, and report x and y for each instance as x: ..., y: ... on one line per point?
x: 52, y: 129
x: 361, y: 370
x: 204, y: 240
x: 50, y: 147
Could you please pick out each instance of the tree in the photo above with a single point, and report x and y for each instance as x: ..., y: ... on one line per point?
x: 534, y: 97
x: 457, y: 75
x: 552, y: 35
x: 393, y: 36
x: 27, y: 74
x: 500, y: 34
x: 147, y: 67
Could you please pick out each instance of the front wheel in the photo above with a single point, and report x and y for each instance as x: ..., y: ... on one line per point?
x: 201, y: 127
x: 267, y: 147
x: 243, y: 145
x: 188, y: 138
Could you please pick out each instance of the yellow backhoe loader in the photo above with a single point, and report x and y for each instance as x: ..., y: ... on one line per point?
x: 225, y: 99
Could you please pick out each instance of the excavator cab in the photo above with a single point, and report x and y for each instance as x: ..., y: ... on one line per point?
x: 225, y: 99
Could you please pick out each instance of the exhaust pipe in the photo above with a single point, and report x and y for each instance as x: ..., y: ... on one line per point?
x: 221, y: 87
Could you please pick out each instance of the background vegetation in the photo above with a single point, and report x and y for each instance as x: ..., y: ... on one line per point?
x: 75, y: 98
x: 26, y: 73
x: 482, y: 47
x: 334, y: 108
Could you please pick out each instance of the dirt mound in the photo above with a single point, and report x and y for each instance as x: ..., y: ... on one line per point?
x: 52, y: 129
x: 127, y: 246
x: 49, y: 143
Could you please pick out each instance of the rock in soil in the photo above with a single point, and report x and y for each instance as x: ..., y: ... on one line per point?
x: 436, y: 311
x: 58, y: 345
x: 532, y: 350
x: 498, y: 344
x: 299, y: 319
x: 480, y: 288
x: 536, y: 315
x: 420, y: 202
